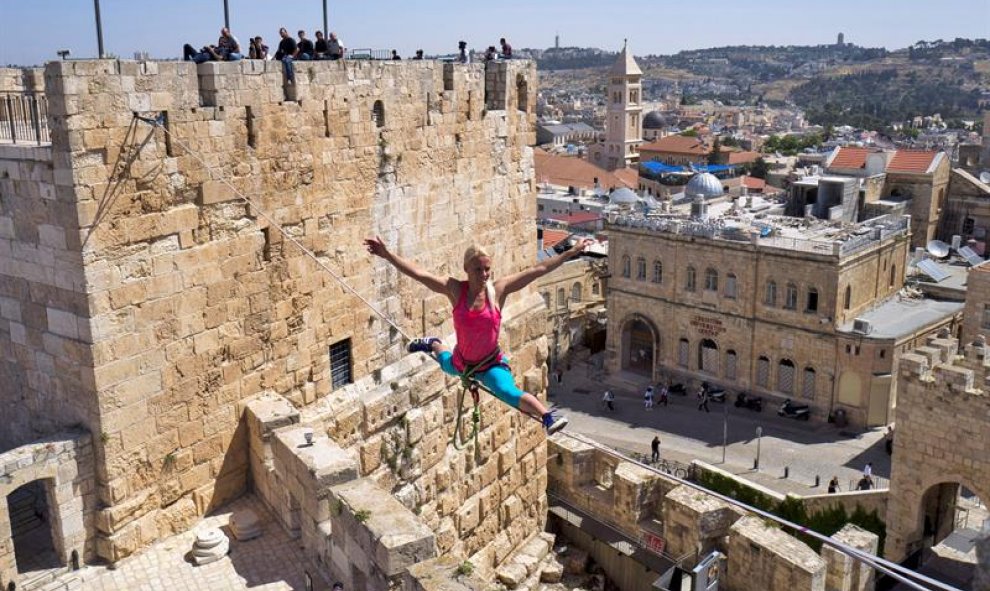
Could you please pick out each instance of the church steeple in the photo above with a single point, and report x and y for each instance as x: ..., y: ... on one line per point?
x: 623, y: 121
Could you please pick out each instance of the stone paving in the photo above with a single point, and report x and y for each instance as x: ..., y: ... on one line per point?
x: 272, y: 562
x: 808, y: 449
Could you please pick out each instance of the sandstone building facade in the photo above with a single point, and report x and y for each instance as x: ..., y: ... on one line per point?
x: 146, y: 306
x: 694, y: 300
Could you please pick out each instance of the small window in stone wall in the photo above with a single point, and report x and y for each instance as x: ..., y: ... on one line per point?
x: 808, y: 387
x: 770, y: 298
x: 561, y: 297
x: 711, y: 280
x: 683, y: 352
x: 657, y: 272
x: 595, y: 288
x: 626, y: 266
x: 730, y: 286
x: 730, y: 365
x: 378, y: 114
x: 576, y: 292
x: 790, y: 301
x: 812, y: 300
x: 522, y: 93
x: 763, y: 372
x: 340, y: 364
x: 641, y: 269
x: 546, y: 298
x: 689, y: 284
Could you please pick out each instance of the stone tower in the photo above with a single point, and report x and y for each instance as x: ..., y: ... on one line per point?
x: 164, y: 347
x: 841, y: 40
x: 623, y: 121
x: 941, y: 442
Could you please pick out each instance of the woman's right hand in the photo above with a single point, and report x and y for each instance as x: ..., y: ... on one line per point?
x: 376, y: 247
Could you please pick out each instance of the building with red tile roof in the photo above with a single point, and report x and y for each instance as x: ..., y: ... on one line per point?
x: 675, y: 149
x: 567, y: 171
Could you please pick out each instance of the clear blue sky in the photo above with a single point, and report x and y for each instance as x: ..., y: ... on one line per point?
x: 32, y: 30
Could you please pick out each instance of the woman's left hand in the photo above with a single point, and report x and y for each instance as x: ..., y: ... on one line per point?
x: 581, y: 245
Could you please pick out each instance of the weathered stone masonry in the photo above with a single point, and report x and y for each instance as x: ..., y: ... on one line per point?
x: 143, y: 301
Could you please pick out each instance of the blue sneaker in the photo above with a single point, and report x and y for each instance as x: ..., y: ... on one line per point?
x: 552, y: 423
x: 422, y: 345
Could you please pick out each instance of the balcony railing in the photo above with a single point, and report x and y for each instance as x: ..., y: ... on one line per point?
x: 24, y: 118
x: 368, y: 54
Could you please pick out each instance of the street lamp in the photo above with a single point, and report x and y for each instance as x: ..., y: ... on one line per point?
x: 226, y: 15
x: 759, y: 436
x: 99, y: 28
x: 725, y: 429
x: 326, y: 29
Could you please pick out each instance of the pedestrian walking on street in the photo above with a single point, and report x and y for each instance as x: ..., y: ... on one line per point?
x: 833, y: 485
x: 648, y: 398
x: 703, y: 399
x: 888, y: 440
x: 655, y: 446
x: 664, y: 395
x: 608, y: 400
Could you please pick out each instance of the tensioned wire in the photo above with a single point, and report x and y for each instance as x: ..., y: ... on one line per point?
x: 896, y: 571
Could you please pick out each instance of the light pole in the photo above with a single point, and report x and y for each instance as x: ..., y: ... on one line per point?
x: 326, y: 27
x: 226, y: 15
x: 725, y: 429
x: 759, y: 437
x: 99, y: 29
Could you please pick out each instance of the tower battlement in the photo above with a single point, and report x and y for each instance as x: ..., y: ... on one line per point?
x: 943, y: 365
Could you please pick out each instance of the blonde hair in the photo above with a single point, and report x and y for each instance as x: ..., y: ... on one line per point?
x: 474, y: 251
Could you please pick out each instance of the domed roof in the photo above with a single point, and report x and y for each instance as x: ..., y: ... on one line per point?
x: 654, y: 120
x: 623, y: 196
x: 705, y: 184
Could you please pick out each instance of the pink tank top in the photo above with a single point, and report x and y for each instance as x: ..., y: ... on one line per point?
x: 477, y: 330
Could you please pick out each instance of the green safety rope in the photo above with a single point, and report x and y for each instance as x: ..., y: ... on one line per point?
x: 470, y: 384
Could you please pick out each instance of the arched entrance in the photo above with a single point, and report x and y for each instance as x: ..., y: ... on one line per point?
x: 639, y: 344
x: 29, y: 509
x: 948, y: 520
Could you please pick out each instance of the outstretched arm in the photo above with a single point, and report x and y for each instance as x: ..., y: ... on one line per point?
x: 515, y: 282
x: 409, y: 268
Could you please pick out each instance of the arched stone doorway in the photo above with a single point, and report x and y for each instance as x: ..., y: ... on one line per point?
x: 32, y: 519
x: 640, y: 342
x: 946, y: 522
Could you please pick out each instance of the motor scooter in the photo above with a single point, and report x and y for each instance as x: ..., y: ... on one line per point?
x: 677, y: 389
x: 754, y: 403
x: 801, y: 412
x: 717, y: 395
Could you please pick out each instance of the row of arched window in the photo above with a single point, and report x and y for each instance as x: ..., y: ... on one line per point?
x: 787, y: 379
x: 691, y: 281
x: 576, y: 294
x: 790, y: 300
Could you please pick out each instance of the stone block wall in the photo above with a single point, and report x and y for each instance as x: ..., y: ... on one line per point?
x: 64, y: 462
x: 380, y: 482
x: 976, y: 316
x: 761, y: 556
x: 22, y: 79
x: 45, y: 361
x: 943, y: 439
x: 153, y: 300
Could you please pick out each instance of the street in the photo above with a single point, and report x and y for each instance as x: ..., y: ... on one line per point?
x: 809, y: 449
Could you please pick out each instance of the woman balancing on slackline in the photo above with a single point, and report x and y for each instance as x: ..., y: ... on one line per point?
x: 477, y: 320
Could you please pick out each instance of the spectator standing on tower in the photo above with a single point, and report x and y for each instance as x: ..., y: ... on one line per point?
x: 506, y: 49
x: 395, y: 55
x: 304, y: 48
x: 258, y: 49
x: 320, y: 48
x: 655, y: 446
x: 335, y: 50
x: 286, y: 50
x: 463, y: 55
x: 419, y: 54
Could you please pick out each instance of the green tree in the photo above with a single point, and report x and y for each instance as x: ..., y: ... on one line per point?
x: 713, y: 156
x: 759, y: 168
x: 690, y: 133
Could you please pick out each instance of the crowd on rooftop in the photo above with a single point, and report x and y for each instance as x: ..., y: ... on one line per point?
x: 229, y: 48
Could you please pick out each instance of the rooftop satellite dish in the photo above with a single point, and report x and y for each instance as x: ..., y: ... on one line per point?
x: 985, y: 177
x: 938, y: 249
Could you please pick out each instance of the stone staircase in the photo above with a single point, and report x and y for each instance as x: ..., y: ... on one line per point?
x: 533, y: 566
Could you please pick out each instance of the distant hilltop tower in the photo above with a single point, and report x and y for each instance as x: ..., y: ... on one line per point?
x: 556, y: 41
x: 841, y: 40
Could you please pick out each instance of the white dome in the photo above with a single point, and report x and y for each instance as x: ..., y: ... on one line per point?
x: 705, y: 184
x: 625, y: 196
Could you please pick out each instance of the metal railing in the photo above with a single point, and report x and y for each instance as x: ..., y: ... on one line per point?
x: 368, y: 54
x: 24, y: 118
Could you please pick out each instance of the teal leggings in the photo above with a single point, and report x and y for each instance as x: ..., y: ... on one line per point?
x: 497, y: 378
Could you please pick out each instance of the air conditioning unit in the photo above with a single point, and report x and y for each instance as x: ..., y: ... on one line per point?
x: 861, y: 326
